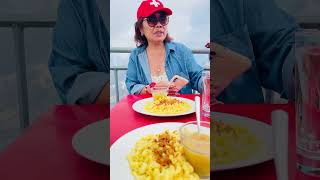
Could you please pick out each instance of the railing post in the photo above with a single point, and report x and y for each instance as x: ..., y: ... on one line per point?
x: 22, y: 89
x: 116, y: 84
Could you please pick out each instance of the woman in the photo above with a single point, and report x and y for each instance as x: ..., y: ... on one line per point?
x: 157, y: 59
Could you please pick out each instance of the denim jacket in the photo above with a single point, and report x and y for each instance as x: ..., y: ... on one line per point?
x: 179, y: 61
x: 261, y: 31
x: 79, y: 61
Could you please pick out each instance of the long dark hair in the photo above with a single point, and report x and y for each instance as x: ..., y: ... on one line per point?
x: 142, y: 40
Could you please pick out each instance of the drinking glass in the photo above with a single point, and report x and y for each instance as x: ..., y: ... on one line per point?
x: 307, y: 100
x: 206, y: 93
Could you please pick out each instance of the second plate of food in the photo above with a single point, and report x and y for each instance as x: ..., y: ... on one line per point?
x: 171, y: 106
x: 239, y: 142
x: 92, y: 140
x: 120, y: 151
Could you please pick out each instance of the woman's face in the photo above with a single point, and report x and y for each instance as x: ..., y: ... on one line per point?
x: 154, y: 27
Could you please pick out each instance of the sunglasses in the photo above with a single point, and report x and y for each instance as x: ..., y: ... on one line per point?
x: 153, y: 20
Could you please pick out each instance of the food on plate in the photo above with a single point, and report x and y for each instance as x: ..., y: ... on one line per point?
x: 159, y: 95
x: 232, y: 142
x: 160, y: 156
x: 197, y: 151
x: 163, y: 104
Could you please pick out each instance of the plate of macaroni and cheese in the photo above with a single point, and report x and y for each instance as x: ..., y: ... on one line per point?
x: 239, y: 142
x: 164, y: 106
x: 92, y: 142
x: 151, y: 152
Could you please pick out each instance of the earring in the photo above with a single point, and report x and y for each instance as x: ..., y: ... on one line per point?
x: 142, y: 34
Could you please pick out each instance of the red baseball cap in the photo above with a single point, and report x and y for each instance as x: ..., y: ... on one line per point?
x: 148, y: 7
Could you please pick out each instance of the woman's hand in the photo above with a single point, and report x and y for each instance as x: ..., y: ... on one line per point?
x: 161, y: 84
x: 146, y: 90
x: 219, y: 86
x: 215, y: 102
x: 103, y: 97
x: 212, y: 52
x: 227, y: 66
x: 173, y: 90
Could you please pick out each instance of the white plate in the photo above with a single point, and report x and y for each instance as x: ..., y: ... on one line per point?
x: 121, y: 148
x: 139, y: 107
x: 92, y: 142
x: 261, y: 130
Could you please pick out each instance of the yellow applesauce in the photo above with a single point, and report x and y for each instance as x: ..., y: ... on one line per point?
x: 197, y: 152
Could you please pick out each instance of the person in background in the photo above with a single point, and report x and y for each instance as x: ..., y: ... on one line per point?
x: 263, y: 33
x: 157, y: 59
x: 79, y: 61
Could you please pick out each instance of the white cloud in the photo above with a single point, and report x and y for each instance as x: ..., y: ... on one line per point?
x: 178, y: 33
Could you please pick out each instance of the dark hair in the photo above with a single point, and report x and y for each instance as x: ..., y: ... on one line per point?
x: 142, y: 40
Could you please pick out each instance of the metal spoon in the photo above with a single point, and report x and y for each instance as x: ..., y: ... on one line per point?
x: 197, y: 101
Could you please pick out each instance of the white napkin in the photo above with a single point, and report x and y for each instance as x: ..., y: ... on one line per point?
x: 280, y: 140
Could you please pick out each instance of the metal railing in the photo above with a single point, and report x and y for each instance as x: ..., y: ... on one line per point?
x: 18, y: 28
x: 128, y: 50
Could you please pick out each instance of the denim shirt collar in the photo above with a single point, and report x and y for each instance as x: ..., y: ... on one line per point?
x: 143, y: 59
x: 169, y: 47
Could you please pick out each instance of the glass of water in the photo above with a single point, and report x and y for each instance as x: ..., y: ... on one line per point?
x: 206, y: 94
x: 307, y: 101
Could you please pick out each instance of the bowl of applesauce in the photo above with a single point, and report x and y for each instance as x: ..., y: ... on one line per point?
x: 196, y: 144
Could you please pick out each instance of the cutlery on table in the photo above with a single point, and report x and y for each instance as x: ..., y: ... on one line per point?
x: 280, y: 142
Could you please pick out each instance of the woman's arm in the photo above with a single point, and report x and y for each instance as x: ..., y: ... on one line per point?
x: 194, y: 70
x: 272, y: 34
x: 132, y: 82
x: 104, y: 96
x: 74, y: 74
